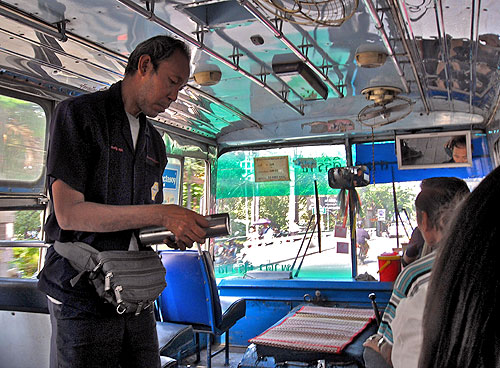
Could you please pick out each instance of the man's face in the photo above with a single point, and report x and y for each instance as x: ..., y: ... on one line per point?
x: 460, y: 154
x: 158, y: 89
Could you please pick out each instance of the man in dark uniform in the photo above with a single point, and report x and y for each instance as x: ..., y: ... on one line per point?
x: 105, y: 166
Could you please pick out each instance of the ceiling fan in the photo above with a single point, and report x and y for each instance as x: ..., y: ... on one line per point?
x: 387, y: 106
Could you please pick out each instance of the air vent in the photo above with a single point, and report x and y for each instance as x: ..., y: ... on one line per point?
x: 216, y: 13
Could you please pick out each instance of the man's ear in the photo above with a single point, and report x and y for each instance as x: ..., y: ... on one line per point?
x: 143, y: 64
x: 424, y: 224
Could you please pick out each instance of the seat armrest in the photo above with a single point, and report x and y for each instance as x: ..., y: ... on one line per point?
x: 233, y: 309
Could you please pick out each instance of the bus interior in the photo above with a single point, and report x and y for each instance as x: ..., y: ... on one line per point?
x: 288, y: 102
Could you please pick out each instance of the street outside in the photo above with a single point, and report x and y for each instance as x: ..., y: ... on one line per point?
x: 278, y: 254
x: 378, y: 245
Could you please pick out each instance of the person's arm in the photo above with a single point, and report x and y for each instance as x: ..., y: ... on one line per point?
x: 74, y: 213
x: 406, y: 260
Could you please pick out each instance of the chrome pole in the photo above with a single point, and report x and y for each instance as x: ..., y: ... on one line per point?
x: 150, y: 15
x: 279, y: 35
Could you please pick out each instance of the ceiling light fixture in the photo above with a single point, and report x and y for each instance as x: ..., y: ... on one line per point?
x: 288, y: 65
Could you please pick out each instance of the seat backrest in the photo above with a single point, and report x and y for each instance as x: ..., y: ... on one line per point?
x: 214, y: 291
x: 22, y: 295
x: 191, y: 295
x: 25, y: 324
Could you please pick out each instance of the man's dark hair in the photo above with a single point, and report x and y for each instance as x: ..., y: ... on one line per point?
x: 443, y: 182
x: 159, y: 48
x: 437, y: 195
x: 458, y: 141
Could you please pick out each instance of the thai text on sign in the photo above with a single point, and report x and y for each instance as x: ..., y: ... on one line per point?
x: 271, y: 169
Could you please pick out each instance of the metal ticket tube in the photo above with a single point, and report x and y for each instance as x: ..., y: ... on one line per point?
x: 218, y: 225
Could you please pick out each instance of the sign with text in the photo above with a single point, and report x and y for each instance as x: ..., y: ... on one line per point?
x: 271, y: 169
x: 343, y: 247
x: 381, y: 214
x: 340, y: 231
x: 171, y: 183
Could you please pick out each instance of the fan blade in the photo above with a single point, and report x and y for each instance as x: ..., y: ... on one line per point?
x: 368, y: 115
x: 365, y: 115
x: 400, y: 107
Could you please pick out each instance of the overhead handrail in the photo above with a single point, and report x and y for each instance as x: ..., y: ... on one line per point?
x: 264, y: 67
x: 474, y: 46
x: 51, y: 30
x: 151, y: 16
x: 279, y: 35
x: 319, y: 50
x: 222, y: 103
x: 399, y: 24
x: 385, y: 39
x: 445, y: 55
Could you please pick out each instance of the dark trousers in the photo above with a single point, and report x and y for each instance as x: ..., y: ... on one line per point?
x: 85, y: 340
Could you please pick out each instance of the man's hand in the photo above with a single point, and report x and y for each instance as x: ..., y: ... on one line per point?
x: 73, y: 212
x: 187, y: 226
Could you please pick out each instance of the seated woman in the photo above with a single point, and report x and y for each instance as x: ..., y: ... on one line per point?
x: 461, y: 323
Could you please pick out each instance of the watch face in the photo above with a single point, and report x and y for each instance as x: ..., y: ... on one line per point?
x: 381, y: 342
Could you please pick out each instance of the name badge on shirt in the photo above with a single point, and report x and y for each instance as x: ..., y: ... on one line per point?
x: 154, y: 190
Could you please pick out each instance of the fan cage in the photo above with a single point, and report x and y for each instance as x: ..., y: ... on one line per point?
x: 395, y: 105
x: 325, y: 13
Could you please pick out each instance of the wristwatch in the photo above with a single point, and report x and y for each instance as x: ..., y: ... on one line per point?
x: 380, y: 343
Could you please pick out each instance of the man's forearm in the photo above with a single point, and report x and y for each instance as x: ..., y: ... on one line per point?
x: 73, y: 212
x: 96, y: 217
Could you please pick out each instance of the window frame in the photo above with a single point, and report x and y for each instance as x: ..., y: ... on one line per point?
x: 17, y: 195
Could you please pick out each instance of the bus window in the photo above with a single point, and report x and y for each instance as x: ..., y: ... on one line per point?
x: 22, y: 157
x: 378, y: 219
x: 496, y: 152
x: 22, y: 132
x: 269, y: 216
x: 23, y: 227
x: 193, y: 186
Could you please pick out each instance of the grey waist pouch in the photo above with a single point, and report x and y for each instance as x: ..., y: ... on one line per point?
x: 130, y: 280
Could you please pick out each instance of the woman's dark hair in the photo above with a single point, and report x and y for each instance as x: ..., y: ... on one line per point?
x: 461, y: 318
x: 159, y: 48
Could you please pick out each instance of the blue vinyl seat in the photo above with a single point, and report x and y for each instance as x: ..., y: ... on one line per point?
x: 191, y: 297
x: 167, y: 362
x: 173, y: 339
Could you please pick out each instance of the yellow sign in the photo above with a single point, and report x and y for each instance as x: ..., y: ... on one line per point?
x: 271, y: 169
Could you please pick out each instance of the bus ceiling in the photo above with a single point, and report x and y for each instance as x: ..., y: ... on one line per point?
x: 261, y: 75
